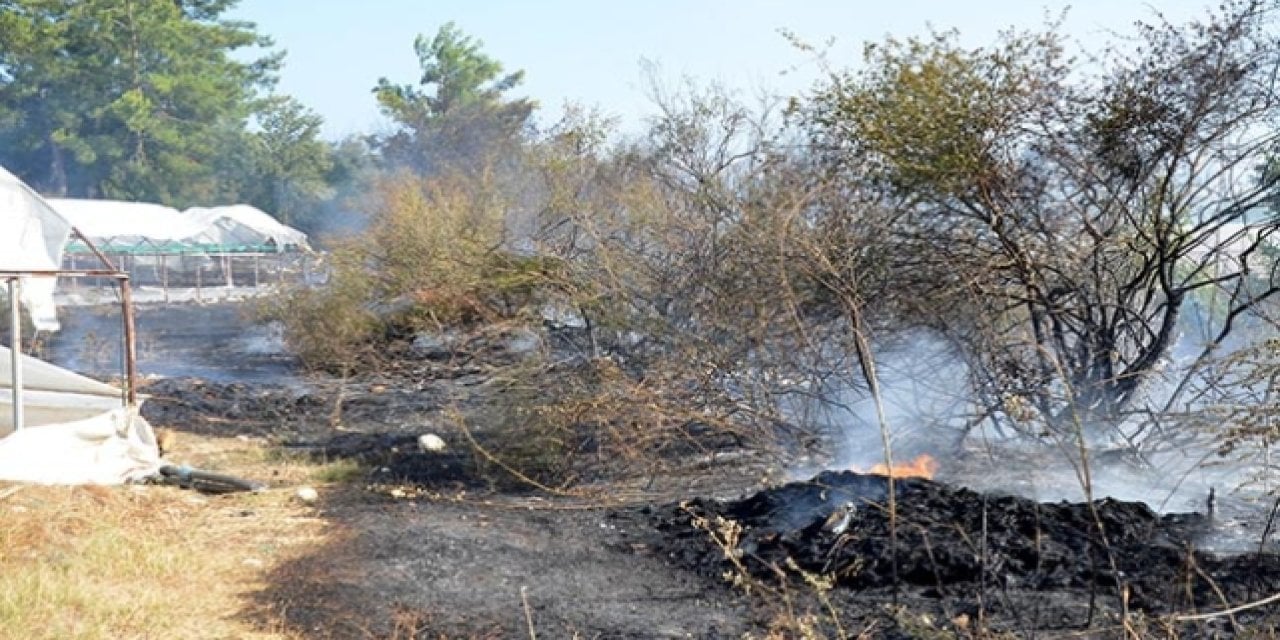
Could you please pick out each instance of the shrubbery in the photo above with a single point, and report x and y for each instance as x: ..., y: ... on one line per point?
x: 733, y: 270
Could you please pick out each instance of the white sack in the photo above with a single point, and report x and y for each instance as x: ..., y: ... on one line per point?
x: 76, y: 430
x: 116, y: 447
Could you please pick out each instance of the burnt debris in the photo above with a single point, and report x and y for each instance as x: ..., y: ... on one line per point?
x: 953, y: 542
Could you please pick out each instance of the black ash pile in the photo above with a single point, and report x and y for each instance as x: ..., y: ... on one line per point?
x: 955, y: 543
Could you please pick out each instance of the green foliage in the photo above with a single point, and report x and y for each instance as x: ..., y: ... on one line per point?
x: 458, y: 113
x: 461, y: 74
x: 290, y: 164
x: 938, y: 119
x: 124, y: 99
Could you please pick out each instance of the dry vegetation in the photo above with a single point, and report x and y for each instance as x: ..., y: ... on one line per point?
x: 737, y: 265
x: 729, y: 274
x: 153, y: 561
x: 1052, y: 222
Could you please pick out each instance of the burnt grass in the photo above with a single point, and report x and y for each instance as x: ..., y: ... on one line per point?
x: 1018, y: 565
x: 659, y: 563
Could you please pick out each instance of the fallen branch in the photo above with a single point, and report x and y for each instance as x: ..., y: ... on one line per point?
x: 528, y: 613
x: 1228, y: 612
x: 503, y: 465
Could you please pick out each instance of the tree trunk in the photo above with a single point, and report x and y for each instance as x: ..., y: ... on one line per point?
x: 56, y: 184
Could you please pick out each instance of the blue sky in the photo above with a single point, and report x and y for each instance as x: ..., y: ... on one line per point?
x: 591, y: 52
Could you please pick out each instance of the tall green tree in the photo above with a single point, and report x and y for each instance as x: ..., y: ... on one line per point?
x: 458, y: 112
x: 125, y: 99
x: 291, y: 164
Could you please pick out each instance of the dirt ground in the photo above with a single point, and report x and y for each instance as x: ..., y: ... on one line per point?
x: 493, y: 568
x: 420, y: 544
x: 417, y: 546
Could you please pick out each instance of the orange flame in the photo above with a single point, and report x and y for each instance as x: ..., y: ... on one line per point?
x: 923, y: 466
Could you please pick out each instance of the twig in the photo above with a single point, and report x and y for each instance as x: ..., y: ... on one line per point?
x: 983, y: 569
x: 867, y: 365
x: 1228, y: 612
x: 528, y: 614
x: 1271, y: 520
x: 506, y: 467
x: 1222, y: 597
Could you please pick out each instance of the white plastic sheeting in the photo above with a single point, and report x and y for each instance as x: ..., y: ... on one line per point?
x: 226, y: 224
x: 32, y: 236
x: 76, y: 430
x: 115, y: 224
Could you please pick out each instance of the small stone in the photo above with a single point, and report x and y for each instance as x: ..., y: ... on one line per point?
x: 433, y: 347
x: 431, y: 442
x: 307, y: 495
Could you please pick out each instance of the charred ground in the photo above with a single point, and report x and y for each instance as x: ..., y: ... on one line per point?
x: 1007, y: 563
x: 451, y: 544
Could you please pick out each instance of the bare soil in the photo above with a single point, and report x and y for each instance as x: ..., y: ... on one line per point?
x: 429, y: 545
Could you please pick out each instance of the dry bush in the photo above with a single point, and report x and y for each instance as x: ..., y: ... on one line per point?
x: 330, y: 328
x: 1054, y: 225
x: 442, y: 243
x: 560, y: 424
x: 685, y: 342
x: 685, y: 255
x: 435, y: 255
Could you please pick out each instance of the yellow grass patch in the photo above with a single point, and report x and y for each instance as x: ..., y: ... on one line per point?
x: 152, y: 562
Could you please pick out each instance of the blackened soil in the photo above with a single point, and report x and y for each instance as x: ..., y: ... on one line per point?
x: 200, y: 406
x: 217, y: 342
x: 463, y: 557
x: 1019, y: 565
x: 492, y: 568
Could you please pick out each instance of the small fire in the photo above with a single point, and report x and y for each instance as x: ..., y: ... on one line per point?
x: 923, y: 466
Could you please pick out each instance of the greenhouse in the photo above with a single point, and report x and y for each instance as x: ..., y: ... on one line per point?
x: 159, y: 246
x: 139, y: 228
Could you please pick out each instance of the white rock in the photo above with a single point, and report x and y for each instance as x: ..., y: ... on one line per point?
x: 523, y: 341
x: 307, y: 495
x: 431, y: 442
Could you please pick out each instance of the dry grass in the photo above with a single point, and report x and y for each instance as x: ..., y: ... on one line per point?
x: 152, y: 562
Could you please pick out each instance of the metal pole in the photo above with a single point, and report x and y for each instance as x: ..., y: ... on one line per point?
x: 130, y: 349
x: 15, y: 350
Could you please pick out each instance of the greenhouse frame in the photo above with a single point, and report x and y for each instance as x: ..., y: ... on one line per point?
x: 159, y: 246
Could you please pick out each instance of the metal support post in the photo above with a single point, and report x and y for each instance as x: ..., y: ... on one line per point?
x: 130, y: 342
x: 15, y: 352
